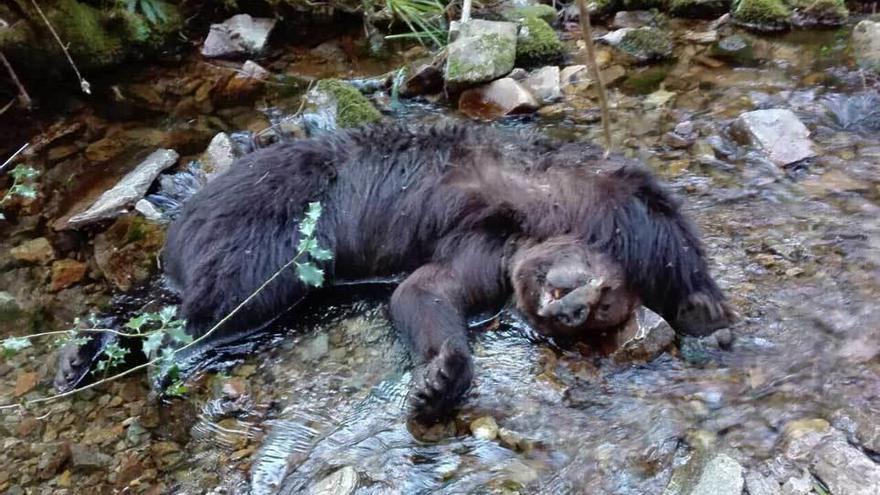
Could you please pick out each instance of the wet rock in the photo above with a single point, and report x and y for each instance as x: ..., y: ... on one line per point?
x: 813, y: 13
x: 777, y: 132
x: 762, y: 15
x: 219, y: 156
x: 127, y: 191
x: 632, y: 19
x: 245, y: 84
x: 66, y: 272
x: 798, y: 485
x: 573, y: 74
x: 702, y: 37
x: 844, y: 468
x: 541, y: 11
x: 644, y: 44
x: 485, y: 428
x: 422, y: 79
x: 25, y: 382
x: 544, y: 84
x: 166, y: 455
x: 149, y: 211
x: 735, y: 49
x: 700, y: 9
x: 647, y: 336
x: 52, y: 460
x: 866, y: 44
x: 721, y: 476
x: 239, y: 36
x: 126, y: 252
x: 537, y: 43
x: 34, y: 251
x: 854, y: 112
x: 343, y: 481
x: 757, y: 484
x: 84, y: 458
x: 341, y: 104
x: 483, y: 51
x: 497, y: 99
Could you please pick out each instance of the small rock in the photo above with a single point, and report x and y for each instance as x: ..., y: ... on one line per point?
x: 544, y: 84
x: 87, y: 459
x: 644, y: 44
x: 483, y: 51
x: 647, y: 335
x: 340, y: 104
x: 818, y: 13
x: 34, y: 251
x: 234, y: 387
x: 659, y: 98
x: 422, y: 79
x: 343, y: 481
x: 702, y: 37
x: 67, y: 272
x: 240, y: 35
x: 149, y: 211
x: 509, y: 438
x: 756, y: 484
x: 246, y: 82
x: 721, y: 476
x: 51, y: 461
x: 485, y: 428
x: 778, y: 132
x: 866, y: 44
x: 25, y: 383
x: 573, y: 74
x: 219, y: 156
x: 126, y: 252
x: 497, y: 99
x: 632, y: 19
x: 62, y: 152
x: 844, y: 468
x: 127, y: 191
x: 735, y: 49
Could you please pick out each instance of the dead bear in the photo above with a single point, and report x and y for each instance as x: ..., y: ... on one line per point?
x: 471, y: 216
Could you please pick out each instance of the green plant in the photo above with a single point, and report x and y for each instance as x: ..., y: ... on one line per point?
x: 154, y: 10
x: 22, y: 185
x: 157, y: 328
x: 424, y: 18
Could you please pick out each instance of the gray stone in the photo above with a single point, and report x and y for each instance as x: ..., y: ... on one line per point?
x: 643, y: 44
x: 497, y: 99
x: 802, y: 485
x: 485, y: 428
x: 87, y: 459
x: 777, y: 132
x: 239, y: 36
x: 219, y: 156
x: 573, y: 74
x: 632, y: 19
x: 343, y: 481
x: 647, y: 335
x: 9, y: 308
x: 721, y: 476
x: 703, y: 37
x: 127, y: 191
x: 483, y: 51
x: 544, y: 84
x: 758, y: 484
x: 149, y: 211
x: 844, y: 468
x: 866, y: 44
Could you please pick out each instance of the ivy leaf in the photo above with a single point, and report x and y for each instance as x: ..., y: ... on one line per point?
x: 24, y: 191
x: 167, y: 313
x: 306, y: 244
x: 178, y: 334
x: 310, y: 274
x: 307, y: 229
x: 176, y: 389
x: 152, y: 343
x: 318, y: 253
x: 138, y: 322
x: 313, y: 212
x: 12, y: 345
x: 23, y: 172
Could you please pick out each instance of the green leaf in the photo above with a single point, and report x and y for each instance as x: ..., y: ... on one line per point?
x: 176, y: 389
x: 179, y: 335
x: 306, y: 244
x: 310, y: 274
x: 152, y: 343
x: 12, y: 345
x: 23, y: 172
x: 138, y: 322
x: 167, y: 313
x: 24, y: 191
x: 149, y: 13
x: 307, y: 229
x: 318, y: 253
x: 313, y: 212
x: 130, y: 5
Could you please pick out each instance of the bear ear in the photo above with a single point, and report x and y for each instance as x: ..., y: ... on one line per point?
x: 702, y: 314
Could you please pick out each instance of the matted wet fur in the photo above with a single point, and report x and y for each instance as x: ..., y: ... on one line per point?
x: 452, y: 207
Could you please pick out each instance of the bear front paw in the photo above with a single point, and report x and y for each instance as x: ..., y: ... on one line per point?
x: 439, y: 387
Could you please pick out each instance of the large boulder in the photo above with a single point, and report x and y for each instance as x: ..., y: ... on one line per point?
x: 239, y: 36
x: 483, y: 51
x: 777, y: 132
x: 866, y: 44
x: 644, y: 44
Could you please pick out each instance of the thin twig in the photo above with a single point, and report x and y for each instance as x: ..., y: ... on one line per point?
x: 158, y: 359
x: 84, y: 330
x: 83, y: 84
x: 22, y: 93
x: 587, y: 32
x: 18, y: 152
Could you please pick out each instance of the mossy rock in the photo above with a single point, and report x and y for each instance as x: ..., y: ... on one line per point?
x: 698, y: 9
x: 762, y: 15
x: 537, y: 43
x: 646, y: 44
x: 542, y: 11
x: 818, y: 13
x: 352, y: 107
x: 647, y: 80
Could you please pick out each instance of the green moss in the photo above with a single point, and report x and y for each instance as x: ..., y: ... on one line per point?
x: 764, y: 15
x: 80, y: 27
x: 544, y: 12
x: 537, y: 43
x: 352, y: 108
x: 646, y: 43
x: 646, y: 81
x: 699, y: 9
x: 603, y: 8
x: 808, y: 13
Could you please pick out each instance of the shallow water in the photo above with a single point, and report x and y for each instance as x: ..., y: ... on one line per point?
x: 797, y: 250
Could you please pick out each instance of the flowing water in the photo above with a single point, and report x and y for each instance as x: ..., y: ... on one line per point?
x: 797, y: 249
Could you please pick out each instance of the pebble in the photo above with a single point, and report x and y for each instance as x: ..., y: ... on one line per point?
x: 485, y: 428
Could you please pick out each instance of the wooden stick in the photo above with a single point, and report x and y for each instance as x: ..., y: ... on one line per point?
x: 587, y: 32
x: 23, y: 95
x: 466, y: 11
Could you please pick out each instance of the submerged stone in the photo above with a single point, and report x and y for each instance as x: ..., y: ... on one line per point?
x: 544, y: 84
x: 485, y: 428
x: 721, y: 476
x: 497, y: 99
x: 735, y: 48
x: 239, y: 36
x: 537, y: 42
x: 483, y: 51
x: 777, y: 132
x: 812, y: 13
x: 343, y: 481
x: 866, y: 44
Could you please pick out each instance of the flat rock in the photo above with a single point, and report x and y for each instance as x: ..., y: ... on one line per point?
x: 483, y: 51
x: 127, y: 191
x: 219, y: 156
x: 497, y: 99
x: 239, y: 36
x: 844, y: 468
x: 67, y: 272
x: 721, y: 476
x: 84, y: 458
x: 647, y: 336
x: 866, y: 44
x: 343, y: 481
x: 37, y: 250
x: 544, y: 84
x: 777, y: 132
